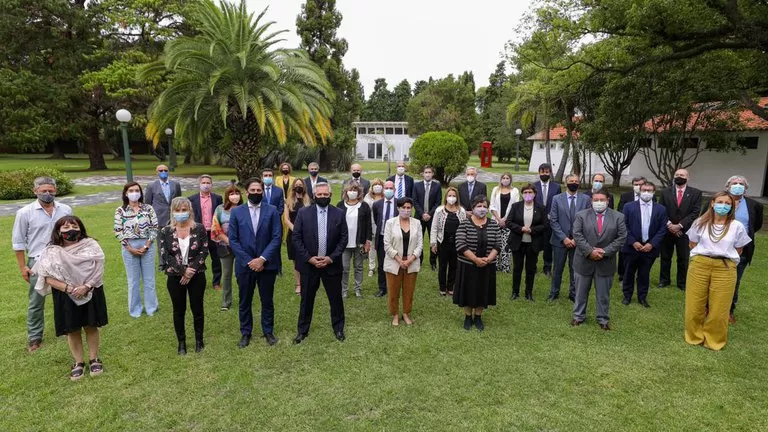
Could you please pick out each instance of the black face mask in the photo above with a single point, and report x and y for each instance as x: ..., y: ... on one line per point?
x: 680, y: 181
x: 356, y: 174
x: 323, y: 202
x: 71, y: 235
x: 544, y: 178
x: 298, y: 190
x: 313, y: 173
x: 255, y: 199
x: 285, y: 172
x: 573, y: 187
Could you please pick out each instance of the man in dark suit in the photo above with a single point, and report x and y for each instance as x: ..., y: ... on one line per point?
x: 546, y: 189
x: 313, y: 179
x: 427, y: 196
x: 357, y: 177
x: 646, y: 227
x: 255, y: 235
x: 272, y: 194
x: 598, y: 184
x: 565, y: 206
x: 683, y: 205
x: 471, y: 189
x: 626, y: 198
x: 203, y: 206
x: 403, y: 182
x: 160, y: 193
x: 750, y: 213
x: 383, y: 210
x: 599, y: 233
x: 319, y: 239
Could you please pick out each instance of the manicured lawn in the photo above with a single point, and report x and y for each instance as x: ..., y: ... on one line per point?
x: 528, y: 371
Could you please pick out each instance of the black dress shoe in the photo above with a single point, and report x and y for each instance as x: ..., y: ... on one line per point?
x: 681, y: 287
x: 645, y: 304
x: 552, y: 298
x: 572, y: 298
x: 434, y: 267
x: 199, y: 346
x: 621, y: 278
x: 340, y: 335
x: 515, y: 296
x: 605, y: 326
x: 625, y: 301
x: 662, y: 285
x: 271, y: 339
x: 479, y: 323
x: 244, y: 341
x: 381, y: 293
x: 182, y: 348
x: 576, y: 323
x: 529, y: 297
x: 299, y: 337
x: 467, y: 322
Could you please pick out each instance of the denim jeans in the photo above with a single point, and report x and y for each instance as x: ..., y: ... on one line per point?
x: 36, y: 309
x: 137, y: 269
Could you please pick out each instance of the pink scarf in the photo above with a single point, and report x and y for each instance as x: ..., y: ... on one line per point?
x: 79, y: 264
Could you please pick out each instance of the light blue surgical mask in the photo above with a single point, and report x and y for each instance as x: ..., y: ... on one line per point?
x: 722, y: 209
x: 268, y: 181
x: 181, y: 216
x: 388, y: 193
x: 596, y: 186
x: 163, y: 175
x: 737, y: 189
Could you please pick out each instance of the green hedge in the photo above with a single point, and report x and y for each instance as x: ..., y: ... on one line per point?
x: 18, y: 184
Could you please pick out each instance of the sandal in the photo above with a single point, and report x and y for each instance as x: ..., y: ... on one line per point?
x: 298, y: 289
x: 77, y: 371
x: 96, y: 366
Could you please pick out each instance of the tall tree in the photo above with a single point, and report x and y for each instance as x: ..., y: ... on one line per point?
x: 401, y: 95
x: 379, y: 104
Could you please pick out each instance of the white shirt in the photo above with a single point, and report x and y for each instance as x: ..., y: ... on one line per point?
x: 352, y: 211
x: 33, y: 226
x: 255, y: 211
x: 184, y: 247
x: 528, y: 221
x: 737, y: 237
x: 646, y: 210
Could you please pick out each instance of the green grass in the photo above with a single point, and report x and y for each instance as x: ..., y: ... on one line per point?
x: 528, y: 371
x: 500, y: 167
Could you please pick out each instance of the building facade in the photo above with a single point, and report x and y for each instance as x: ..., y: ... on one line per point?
x: 382, y: 140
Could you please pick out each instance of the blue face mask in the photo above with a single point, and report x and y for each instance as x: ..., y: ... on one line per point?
x: 737, y: 189
x: 163, y: 175
x: 596, y: 186
x: 389, y: 193
x: 722, y: 209
x: 268, y: 181
x: 181, y: 216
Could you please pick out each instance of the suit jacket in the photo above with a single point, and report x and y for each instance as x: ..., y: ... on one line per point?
x: 755, y: 225
x: 305, y: 238
x: 560, y: 219
x: 154, y: 196
x: 216, y: 201
x: 610, y: 197
x: 465, y: 200
x: 168, y: 243
x: 393, y: 245
x: 516, y: 222
x: 365, y: 184
x: 689, y: 209
x: 265, y: 242
x: 277, y: 198
x: 435, y: 197
x: 408, y: 185
x: 656, y: 230
x: 554, y: 189
x: 378, y: 214
x: 308, y: 186
x: 364, y: 222
x: 628, y: 197
x: 611, y: 240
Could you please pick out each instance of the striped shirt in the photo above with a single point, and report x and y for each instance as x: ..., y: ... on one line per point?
x: 467, y: 237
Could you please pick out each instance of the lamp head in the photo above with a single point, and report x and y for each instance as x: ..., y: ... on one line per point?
x: 123, y: 116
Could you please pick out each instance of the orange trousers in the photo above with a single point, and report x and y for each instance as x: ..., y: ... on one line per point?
x: 406, y: 281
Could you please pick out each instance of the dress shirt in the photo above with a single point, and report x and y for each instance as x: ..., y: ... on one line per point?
x: 206, y: 208
x: 737, y: 237
x: 255, y: 211
x: 166, y: 190
x: 742, y: 212
x: 387, y: 213
x: 33, y: 226
x: 184, y: 248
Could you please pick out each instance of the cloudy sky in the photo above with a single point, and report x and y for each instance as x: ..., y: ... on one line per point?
x: 414, y: 39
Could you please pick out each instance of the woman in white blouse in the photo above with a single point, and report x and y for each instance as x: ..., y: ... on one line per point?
x: 502, y: 198
x: 403, y: 244
x: 442, y: 239
x: 359, y: 236
x: 716, y: 240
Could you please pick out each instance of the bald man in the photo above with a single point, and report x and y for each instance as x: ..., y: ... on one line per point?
x: 357, y: 178
x: 160, y: 193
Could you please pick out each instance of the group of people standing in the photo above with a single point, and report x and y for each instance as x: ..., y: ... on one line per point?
x: 472, y: 235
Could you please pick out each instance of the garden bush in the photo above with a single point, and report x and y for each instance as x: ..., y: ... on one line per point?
x: 18, y: 184
x: 445, y: 151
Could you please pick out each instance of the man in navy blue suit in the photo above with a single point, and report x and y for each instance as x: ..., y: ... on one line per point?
x: 546, y: 190
x: 313, y: 179
x: 255, y: 235
x: 403, y: 182
x: 319, y: 239
x: 427, y: 197
x: 646, y: 227
x: 272, y: 194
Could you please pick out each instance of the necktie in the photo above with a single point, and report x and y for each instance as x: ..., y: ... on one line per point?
x: 386, y: 215
x: 679, y: 197
x: 572, y: 207
x: 544, y: 192
x: 269, y: 194
x: 599, y: 223
x: 166, y: 191
x: 400, y: 187
x: 646, y: 214
x: 426, y: 197
x: 470, y: 188
x: 255, y: 219
x: 322, y: 232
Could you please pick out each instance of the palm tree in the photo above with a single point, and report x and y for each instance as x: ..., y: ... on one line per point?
x: 230, y: 83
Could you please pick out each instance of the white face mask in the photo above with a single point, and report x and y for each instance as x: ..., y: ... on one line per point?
x: 470, y: 178
x: 599, y: 206
x: 133, y: 196
x: 451, y: 200
x: 400, y: 170
x: 646, y: 196
x: 377, y: 189
x: 234, y: 199
x: 505, y: 182
x: 352, y: 195
x: 636, y: 189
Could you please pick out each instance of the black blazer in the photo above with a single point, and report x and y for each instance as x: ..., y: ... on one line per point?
x: 216, y: 201
x: 755, y: 225
x: 308, y: 186
x: 364, y: 225
x: 168, y: 244
x: 435, y: 197
x: 554, y: 189
x: 689, y: 209
x: 465, y: 200
x: 408, y: 185
x: 628, y: 197
x: 378, y: 213
x: 610, y: 197
x: 305, y: 239
x: 516, y: 222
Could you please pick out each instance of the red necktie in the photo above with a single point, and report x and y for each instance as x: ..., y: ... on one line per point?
x: 679, y: 197
x: 599, y: 223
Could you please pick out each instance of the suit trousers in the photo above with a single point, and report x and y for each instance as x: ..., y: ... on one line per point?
x: 380, y: 258
x: 246, y: 283
x: 739, y: 273
x: 310, y: 284
x: 352, y: 256
x: 524, y: 257
x: 426, y: 227
x: 640, y: 264
x: 711, y: 281
x: 36, y: 308
x: 602, y: 294
x: 446, y: 272
x: 227, y: 266
x: 560, y: 255
x: 406, y: 281
x: 213, y: 253
x: 669, y: 246
x: 178, y: 292
x: 547, y: 251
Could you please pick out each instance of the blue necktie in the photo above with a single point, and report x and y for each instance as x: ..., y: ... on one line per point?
x: 400, y: 187
x: 386, y: 215
x: 166, y: 191
x: 322, y: 232
x: 269, y: 195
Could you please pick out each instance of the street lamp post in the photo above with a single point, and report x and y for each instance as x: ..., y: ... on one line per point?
x: 519, y: 133
x: 171, y: 150
x: 124, y: 117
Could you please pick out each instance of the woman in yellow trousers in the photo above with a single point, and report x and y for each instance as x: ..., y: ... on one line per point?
x: 716, y: 241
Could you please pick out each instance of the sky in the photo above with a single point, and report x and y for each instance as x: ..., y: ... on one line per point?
x: 413, y: 39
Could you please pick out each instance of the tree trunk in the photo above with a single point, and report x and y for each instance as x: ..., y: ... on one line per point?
x: 95, y: 155
x: 563, y: 161
x: 246, y: 140
x: 546, y: 138
x: 325, y: 160
x: 57, y: 152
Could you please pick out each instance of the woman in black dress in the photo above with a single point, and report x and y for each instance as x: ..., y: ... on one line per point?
x: 73, y: 264
x: 478, y: 242
x: 527, y: 222
x: 442, y: 238
x: 295, y: 201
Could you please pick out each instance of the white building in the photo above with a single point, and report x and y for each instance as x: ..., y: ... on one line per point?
x: 375, y: 140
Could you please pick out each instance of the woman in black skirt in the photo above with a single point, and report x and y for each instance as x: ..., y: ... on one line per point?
x: 297, y: 200
x: 73, y: 265
x: 478, y: 242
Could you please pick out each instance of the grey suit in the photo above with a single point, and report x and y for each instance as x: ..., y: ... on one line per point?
x: 561, y: 222
x: 365, y: 184
x: 154, y: 196
x: 611, y: 239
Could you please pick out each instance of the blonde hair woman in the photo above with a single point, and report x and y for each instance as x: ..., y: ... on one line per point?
x: 442, y: 238
x: 375, y: 193
x: 298, y: 199
x: 502, y: 198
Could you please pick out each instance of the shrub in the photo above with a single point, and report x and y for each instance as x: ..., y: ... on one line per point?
x: 446, y: 152
x: 18, y: 184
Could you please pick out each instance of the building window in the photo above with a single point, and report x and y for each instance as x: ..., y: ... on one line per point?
x: 390, y: 131
x: 371, y: 131
x: 541, y: 146
x: 405, y: 131
x: 691, y: 143
x: 361, y: 131
x: 374, y: 150
x: 749, y: 143
x: 398, y: 131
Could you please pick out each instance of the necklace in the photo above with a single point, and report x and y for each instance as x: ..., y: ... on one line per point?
x: 717, y: 232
